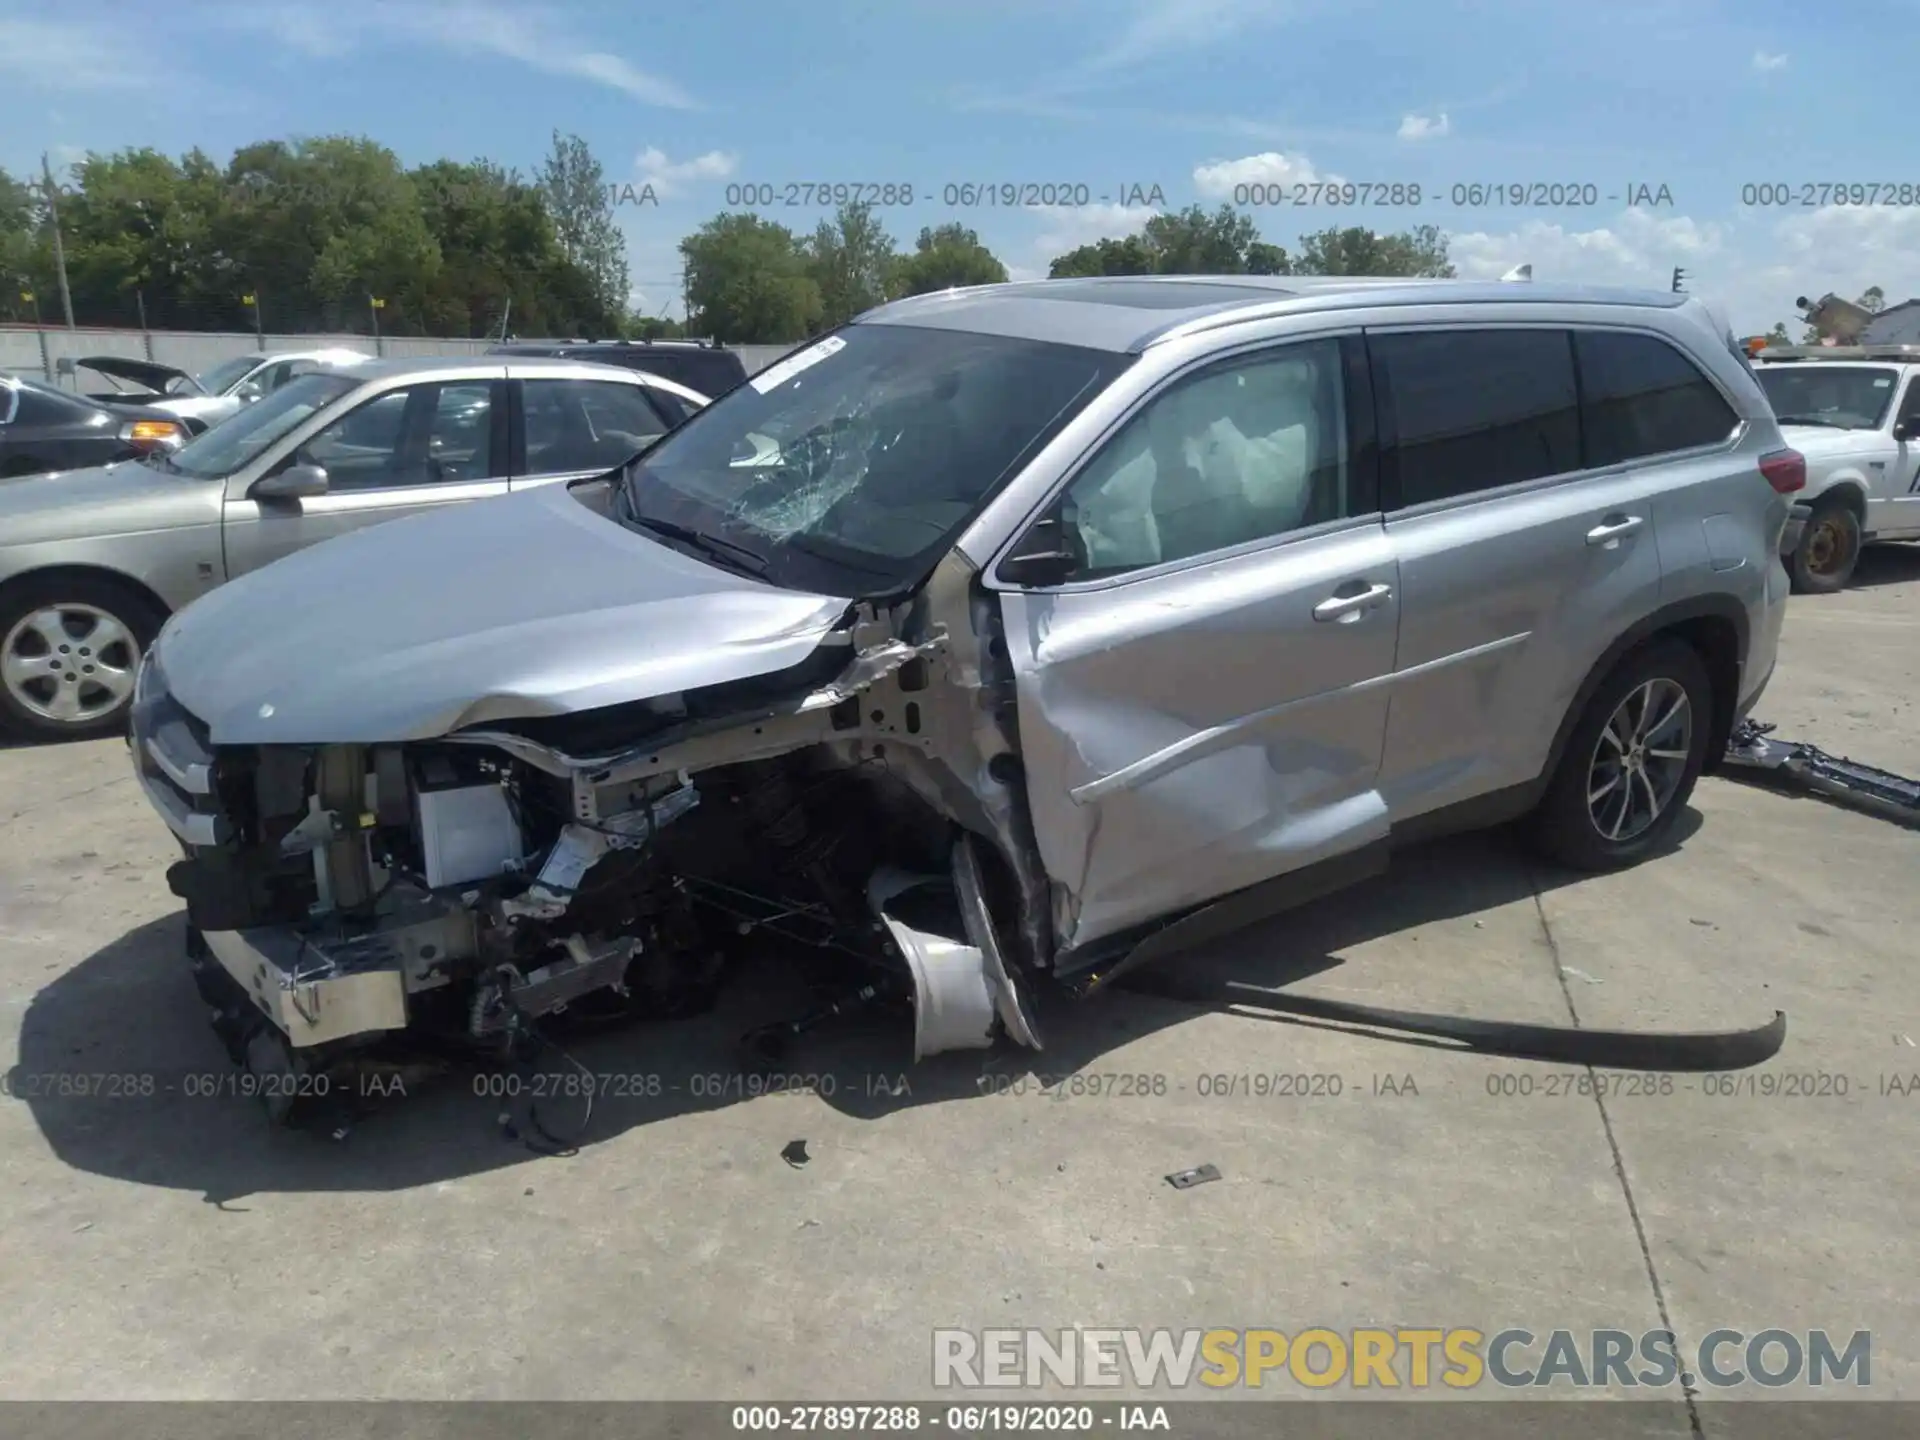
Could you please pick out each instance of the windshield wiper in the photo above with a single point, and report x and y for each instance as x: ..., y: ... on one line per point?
x: 1811, y: 420
x: 722, y: 552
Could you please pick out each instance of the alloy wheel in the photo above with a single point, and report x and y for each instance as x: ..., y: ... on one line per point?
x: 1639, y: 760
x: 69, y: 664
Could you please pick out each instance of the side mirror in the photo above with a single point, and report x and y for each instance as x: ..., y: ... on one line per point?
x: 296, y: 482
x: 1905, y: 427
x: 1049, y: 554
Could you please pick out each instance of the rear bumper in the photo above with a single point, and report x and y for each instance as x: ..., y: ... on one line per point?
x: 1796, y: 527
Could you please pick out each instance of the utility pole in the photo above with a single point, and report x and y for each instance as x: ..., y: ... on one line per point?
x: 374, y: 306
x: 505, y: 316
x: 59, y: 246
x: 686, y: 303
x: 252, y: 298
x: 1678, y: 276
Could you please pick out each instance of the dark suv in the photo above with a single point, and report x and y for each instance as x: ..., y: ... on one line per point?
x: 702, y: 365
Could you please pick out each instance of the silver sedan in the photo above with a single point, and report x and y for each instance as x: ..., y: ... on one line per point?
x: 92, y: 562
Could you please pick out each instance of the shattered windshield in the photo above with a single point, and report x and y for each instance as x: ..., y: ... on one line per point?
x: 1821, y: 394
x: 848, y: 467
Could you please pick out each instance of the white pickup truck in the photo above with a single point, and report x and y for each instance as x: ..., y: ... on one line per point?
x: 1854, y: 412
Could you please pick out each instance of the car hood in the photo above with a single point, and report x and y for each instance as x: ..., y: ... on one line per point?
x: 96, y: 502
x: 141, y: 372
x: 523, y: 606
x: 1819, y: 442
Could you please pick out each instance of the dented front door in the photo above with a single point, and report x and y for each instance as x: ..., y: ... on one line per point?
x: 1202, y: 704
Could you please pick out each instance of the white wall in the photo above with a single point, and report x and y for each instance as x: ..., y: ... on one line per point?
x: 36, y: 352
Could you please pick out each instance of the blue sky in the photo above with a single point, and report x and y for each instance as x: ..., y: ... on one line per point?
x: 1702, y: 97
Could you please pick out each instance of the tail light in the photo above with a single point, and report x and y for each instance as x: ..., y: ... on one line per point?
x: 1786, y: 470
x: 147, y: 436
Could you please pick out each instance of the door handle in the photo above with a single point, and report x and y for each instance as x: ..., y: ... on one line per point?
x: 1343, y: 607
x: 1613, y: 527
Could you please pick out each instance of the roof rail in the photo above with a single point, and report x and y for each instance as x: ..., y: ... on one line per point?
x: 1909, y: 353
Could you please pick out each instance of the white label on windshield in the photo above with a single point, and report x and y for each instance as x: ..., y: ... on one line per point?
x: 791, y: 366
x: 1882, y: 384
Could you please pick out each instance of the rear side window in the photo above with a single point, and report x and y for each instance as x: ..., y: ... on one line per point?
x: 1643, y: 397
x: 1476, y: 409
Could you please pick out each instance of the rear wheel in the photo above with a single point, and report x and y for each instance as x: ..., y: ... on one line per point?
x: 69, y: 649
x: 1828, y: 550
x: 1631, y: 762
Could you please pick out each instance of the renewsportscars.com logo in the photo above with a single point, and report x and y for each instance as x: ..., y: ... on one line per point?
x: 1457, y: 1358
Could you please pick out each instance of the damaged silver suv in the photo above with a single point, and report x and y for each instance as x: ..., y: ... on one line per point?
x: 1003, y: 639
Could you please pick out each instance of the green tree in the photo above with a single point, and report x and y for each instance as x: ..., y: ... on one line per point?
x: 1356, y: 250
x: 851, y: 258
x: 500, y: 255
x: 946, y: 256
x: 1873, y: 301
x: 1778, y: 335
x: 317, y: 227
x: 1104, y: 257
x: 582, y: 208
x: 749, y: 282
x: 1193, y: 241
x: 20, y: 245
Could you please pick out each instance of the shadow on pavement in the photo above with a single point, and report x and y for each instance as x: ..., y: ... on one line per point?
x: 157, y: 1101
x: 1887, y: 564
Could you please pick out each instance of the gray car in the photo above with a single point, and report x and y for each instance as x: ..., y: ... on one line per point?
x: 93, y: 561
x: 1004, y: 638
x: 217, y: 393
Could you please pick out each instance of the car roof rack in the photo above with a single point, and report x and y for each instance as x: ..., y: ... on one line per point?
x: 1840, y: 352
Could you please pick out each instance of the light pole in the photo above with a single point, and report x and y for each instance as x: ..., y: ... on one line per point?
x: 59, y: 246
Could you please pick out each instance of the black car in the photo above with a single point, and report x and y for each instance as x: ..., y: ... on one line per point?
x: 701, y: 365
x: 42, y: 428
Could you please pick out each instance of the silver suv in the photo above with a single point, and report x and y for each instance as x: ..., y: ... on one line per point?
x: 93, y: 560
x: 999, y: 639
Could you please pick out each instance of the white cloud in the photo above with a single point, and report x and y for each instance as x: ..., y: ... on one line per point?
x: 1764, y: 63
x: 1218, y: 179
x: 1071, y: 226
x: 53, y: 55
x: 1638, y: 249
x: 1845, y: 249
x: 667, y: 177
x: 1424, y: 127
x: 1755, y: 268
x: 535, y: 36
x: 1159, y: 26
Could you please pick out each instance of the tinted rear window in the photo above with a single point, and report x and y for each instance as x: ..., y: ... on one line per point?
x: 1477, y: 409
x: 1643, y: 397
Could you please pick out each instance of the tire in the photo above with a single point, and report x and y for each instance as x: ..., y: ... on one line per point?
x: 90, y: 692
x: 1587, y: 833
x: 1824, y: 559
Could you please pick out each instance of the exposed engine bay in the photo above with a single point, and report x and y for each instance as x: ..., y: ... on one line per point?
x: 612, y: 866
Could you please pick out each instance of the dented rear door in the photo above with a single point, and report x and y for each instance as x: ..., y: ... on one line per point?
x: 1198, y: 725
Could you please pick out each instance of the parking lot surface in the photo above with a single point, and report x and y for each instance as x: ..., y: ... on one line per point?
x: 169, y: 1245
